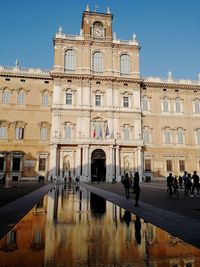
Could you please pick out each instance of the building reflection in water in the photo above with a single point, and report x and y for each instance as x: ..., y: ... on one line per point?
x: 73, y: 227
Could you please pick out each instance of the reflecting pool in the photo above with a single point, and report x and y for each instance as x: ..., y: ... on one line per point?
x: 74, y: 227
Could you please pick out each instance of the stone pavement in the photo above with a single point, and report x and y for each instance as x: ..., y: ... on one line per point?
x: 18, y: 199
x: 180, y: 217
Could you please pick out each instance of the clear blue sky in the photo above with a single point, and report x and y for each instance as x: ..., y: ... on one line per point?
x: 167, y: 30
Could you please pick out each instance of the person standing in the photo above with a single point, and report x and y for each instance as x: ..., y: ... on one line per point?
x: 136, y: 188
x: 185, y: 181
x: 126, y: 185
x: 195, y: 178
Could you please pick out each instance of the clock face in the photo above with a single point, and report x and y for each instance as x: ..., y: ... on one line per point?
x: 98, y: 30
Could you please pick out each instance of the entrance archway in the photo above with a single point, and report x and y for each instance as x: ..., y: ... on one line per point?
x: 98, y: 165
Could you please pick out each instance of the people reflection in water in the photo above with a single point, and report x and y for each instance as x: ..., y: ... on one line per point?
x: 137, y: 230
x: 127, y: 217
x: 136, y: 188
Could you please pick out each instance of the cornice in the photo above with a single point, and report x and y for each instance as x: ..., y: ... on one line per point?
x: 95, y: 78
x: 26, y: 76
x: 171, y: 85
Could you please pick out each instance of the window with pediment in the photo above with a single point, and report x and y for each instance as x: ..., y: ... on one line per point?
x: 197, y: 136
x: 97, y: 62
x: 165, y: 105
x: 178, y: 105
x: 19, y: 130
x: 167, y: 136
x: 3, y: 129
x: 45, y: 98
x: 147, y: 135
x: 70, y: 60
x: 68, y: 130
x: 180, y: 136
x: 124, y: 64
x: 145, y: 103
x: 196, y: 104
x: 127, y: 132
x: 44, y: 131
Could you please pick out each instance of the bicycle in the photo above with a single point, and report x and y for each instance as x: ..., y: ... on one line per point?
x: 171, y: 190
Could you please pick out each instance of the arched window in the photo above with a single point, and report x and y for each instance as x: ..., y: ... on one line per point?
x: 126, y: 132
x: 198, y: 136
x: 146, y: 136
x: 165, y: 106
x: 167, y: 137
x: 19, y: 130
x: 3, y: 129
x: 97, y: 62
x: 70, y: 60
x: 21, y: 97
x: 177, y: 105
x: 45, y: 99
x: 6, y: 97
x: 124, y: 64
x: 180, y: 138
x: 44, y: 133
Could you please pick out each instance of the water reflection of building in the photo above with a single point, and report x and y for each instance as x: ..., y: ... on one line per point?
x: 79, y: 229
x: 24, y: 245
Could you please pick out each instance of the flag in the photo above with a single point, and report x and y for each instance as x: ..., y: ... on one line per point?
x: 94, y: 131
x: 100, y: 133
x: 107, y: 130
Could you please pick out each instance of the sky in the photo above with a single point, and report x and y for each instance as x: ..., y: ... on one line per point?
x: 168, y: 32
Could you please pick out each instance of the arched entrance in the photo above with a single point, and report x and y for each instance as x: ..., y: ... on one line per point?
x: 98, y: 165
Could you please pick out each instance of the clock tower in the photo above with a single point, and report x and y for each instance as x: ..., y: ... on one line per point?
x: 97, y: 25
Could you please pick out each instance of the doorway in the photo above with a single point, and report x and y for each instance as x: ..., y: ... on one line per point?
x: 98, y: 165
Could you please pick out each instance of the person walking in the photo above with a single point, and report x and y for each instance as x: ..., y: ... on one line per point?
x: 185, y: 181
x: 195, y: 179
x: 136, y: 188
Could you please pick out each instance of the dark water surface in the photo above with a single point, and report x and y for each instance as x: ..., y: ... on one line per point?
x: 73, y: 227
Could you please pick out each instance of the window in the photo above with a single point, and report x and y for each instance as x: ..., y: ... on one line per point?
x: 19, y: 133
x: 167, y: 137
x: 6, y: 97
x: 197, y: 106
x: 3, y: 132
x: 21, y: 98
x: 147, y: 164
x: 165, y: 105
x: 44, y: 133
x: 70, y: 60
x: 181, y: 165
x: 198, y: 137
x: 69, y: 98
x: 42, y: 163
x: 98, y: 100
x: 124, y: 64
x: 68, y: 132
x: 125, y: 102
x: 16, y: 162
x: 97, y: 60
x: 177, y: 105
x: 1, y: 163
x: 169, y: 165
x: 145, y: 104
x: 180, y: 137
x: 45, y: 99
x: 126, y: 133
x: 146, y: 136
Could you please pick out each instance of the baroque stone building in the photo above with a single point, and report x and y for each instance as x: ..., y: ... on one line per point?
x: 94, y: 115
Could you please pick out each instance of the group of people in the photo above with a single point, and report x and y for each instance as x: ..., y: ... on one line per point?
x: 190, y: 182
x: 131, y: 182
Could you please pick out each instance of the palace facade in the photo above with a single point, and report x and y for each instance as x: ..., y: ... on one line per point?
x: 93, y: 115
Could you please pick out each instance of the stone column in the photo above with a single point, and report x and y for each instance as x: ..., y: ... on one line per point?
x: 118, y: 162
x: 85, y: 162
x: 78, y: 161
x: 109, y: 164
x: 139, y: 162
x: 53, y: 160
